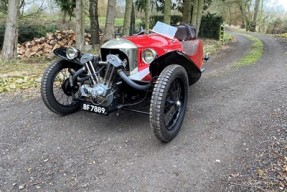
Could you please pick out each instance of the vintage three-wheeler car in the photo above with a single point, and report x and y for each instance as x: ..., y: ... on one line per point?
x: 155, y: 69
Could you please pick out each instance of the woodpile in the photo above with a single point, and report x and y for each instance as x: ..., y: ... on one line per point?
x: 43, y: 47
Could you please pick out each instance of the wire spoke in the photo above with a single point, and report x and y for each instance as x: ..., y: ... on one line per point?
x: 172, y: 109
x: 62, y: 93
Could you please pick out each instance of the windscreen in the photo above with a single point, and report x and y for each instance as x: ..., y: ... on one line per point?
x: 164, y: 29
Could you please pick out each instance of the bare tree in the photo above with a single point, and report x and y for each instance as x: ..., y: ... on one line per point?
x: 133, y: 19
x: 9, y: 50
x: 256, y: 9
x: 147, y: 15
x: 261, y: 23
x: 110, y: 21
x: 187, y: 10
x: 94, y: 23
x: 167, y: 11
x: 199, y: 15
x: 194, y: 12
x: 127, y: 19
x: 80, y: 30
x: 243, y: 6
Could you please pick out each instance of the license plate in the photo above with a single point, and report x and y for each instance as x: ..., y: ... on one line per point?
x: 94, y: 108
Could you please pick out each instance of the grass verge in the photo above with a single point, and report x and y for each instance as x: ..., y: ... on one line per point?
x: 283, y: 35
x: 212, y: 46
x: 21, y: 74
x: 255, y: 53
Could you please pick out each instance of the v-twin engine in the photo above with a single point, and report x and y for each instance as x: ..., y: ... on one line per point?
x: 100, y: 93
x: 100, y: 88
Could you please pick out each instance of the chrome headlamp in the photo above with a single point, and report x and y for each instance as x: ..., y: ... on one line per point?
x: 149, y: 55
x: 72, y: 53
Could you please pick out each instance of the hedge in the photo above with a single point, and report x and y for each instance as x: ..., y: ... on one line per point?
x: 27, y: 32
x: 210, y: 26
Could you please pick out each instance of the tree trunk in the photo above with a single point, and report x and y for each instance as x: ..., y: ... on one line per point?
x: 199, y: 15
x: 167, y: 11
x: 186, y: 11
x: 194, y: 12
x: 261, y: 17
x: 127, y: 19
x: 254, y: 23
x: 80, y: 30
x: 228, y: 6
x: 9, y: 50
x: 64, y: 17
x: 133, y: 20
x: 110, y: 21
x: 147, y: 15
x: 94, y: 22
x: 243, y: 7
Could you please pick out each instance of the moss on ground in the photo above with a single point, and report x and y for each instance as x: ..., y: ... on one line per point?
x: 254, y: 54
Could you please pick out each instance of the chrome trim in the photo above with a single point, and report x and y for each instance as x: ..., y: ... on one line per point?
x: 153, y: 52
x: 128, y: 48
x: 74, y: 51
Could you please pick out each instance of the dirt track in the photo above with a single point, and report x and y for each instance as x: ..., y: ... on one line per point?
x: 230, y: 114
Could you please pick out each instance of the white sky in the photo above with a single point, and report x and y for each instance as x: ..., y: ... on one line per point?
x: 280, y: 3
x: 283, y: 3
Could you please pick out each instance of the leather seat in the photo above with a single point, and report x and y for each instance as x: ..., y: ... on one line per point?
x: 185, y: 33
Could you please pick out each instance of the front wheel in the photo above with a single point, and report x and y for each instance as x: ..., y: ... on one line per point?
x: 169, y: 102
x: 56, y: 92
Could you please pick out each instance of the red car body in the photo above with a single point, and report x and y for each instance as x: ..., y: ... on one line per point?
x: 193, y: 49
x: 151, y: 69
x: 163, y: 45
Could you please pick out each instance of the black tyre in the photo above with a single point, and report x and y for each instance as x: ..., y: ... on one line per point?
x: 56, y: 91
x: 169, y: 102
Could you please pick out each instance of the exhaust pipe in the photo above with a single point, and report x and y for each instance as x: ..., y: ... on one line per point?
x: 131, y: 83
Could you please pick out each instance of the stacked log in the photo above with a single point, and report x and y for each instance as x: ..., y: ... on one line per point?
x: 44, y: 46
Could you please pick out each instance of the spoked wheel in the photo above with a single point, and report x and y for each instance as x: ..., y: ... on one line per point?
x: 57, y: 93
x: 169, y: 102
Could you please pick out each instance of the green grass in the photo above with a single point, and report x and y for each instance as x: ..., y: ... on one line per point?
x: 227, y: 37
x: 283, y: 35
x: 212, y: 46
x: 118, y: 21
x: 255, y: 53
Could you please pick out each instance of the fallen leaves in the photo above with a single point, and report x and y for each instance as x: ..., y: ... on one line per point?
x: 283, y: 35
x: 261, y: 173
x: 21, y: 75
x: 267, y: 168
x: 270, y: 173
x: 12, y: 83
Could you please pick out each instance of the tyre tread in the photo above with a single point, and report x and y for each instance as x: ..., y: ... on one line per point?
x: 157, y: 100
x: 47, y: 97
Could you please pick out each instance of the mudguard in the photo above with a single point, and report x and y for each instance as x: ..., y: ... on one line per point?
x: 61, y: 52
x: 176, y: 57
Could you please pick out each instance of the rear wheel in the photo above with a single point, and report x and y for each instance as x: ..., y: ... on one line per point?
x: 169, y: 102
x: 57, y: 93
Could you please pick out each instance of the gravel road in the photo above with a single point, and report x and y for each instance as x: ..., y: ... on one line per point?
x: 229, y: 115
